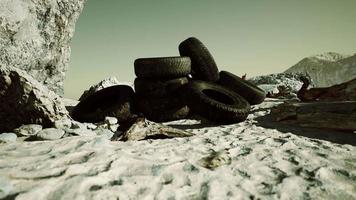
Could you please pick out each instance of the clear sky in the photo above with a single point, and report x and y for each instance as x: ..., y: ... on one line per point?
x: 254, y: 37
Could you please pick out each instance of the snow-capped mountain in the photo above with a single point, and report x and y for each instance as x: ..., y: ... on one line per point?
x: 327, y: 69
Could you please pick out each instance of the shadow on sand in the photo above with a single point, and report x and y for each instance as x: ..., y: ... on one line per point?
x: 340, y: 137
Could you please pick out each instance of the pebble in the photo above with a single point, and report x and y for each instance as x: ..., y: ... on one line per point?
x: 50, y: 134
x: 28, y: 130
x: 8, y: 137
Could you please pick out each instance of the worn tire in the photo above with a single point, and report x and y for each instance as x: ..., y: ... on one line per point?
x: 216, y: 103
x: 163, y: 67
x: 158, y: 88
x: 162, y: 109
x: 203, y: 64
x: 253, y: 94
x: 115, y: 101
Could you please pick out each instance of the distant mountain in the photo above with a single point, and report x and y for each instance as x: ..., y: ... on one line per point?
x: 327, y: 69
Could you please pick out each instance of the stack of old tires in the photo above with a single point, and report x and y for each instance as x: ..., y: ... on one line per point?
x: 170, y: 88
x: 158, y: 87
x: 165, y: 93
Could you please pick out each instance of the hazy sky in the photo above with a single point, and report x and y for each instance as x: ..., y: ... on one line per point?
x: 254, y: 37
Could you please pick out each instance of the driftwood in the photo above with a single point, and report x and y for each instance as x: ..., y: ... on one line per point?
x: 342, y: 92
x: 143, y: 129
x: 330, y: 115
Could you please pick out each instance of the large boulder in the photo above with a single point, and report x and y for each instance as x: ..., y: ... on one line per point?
x: 35, y: 36
x: 26, y: 101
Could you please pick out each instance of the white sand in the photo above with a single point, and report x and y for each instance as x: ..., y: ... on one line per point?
x: 241, y: 161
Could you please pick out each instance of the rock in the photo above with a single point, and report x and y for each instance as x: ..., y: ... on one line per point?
x: 114, y: 127
x: 35, y: 36
x: 8, y: 137
x: 80, y: 132
x: 327, y: 69
x: 28, y: 130
x: 330, y: 115
x: 50, y: 134
x: 272, y: 83
x: 144, y: 129
x: 110, y: 120
x: 63, y: 123
x: 104, y: 132
x: 79, y: 125
x: 26, y: 101
x: 111, y: 81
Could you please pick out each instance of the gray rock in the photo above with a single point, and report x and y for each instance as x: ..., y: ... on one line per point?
x: 114, y: 127
x: 28, y: 130
x: 63, y: 123
x: 270, y: 83
x: 105, y: 133
x: 80, y: 132
x: 76, y: 125
x: 110, y: 120
x: 26, y: 101
x: 50, y: 134
x: 35, y: 36
x: 111, y: 81
x: 8, y: 137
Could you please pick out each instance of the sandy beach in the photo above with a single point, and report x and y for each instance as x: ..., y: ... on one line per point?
x: 248, y: 160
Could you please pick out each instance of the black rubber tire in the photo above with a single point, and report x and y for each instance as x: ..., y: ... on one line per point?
x: 203, y: 64
x: 115, y: 101
x: 162, y: 109
x: 216, y: 103
x: 163, y: 67
x: 158, y: 88
x: 253, y: 94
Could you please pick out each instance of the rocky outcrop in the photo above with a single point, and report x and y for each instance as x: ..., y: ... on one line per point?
x: 272, y: 83
x: 35, y: 36
x: 327, y: 69
x: 26, y: 101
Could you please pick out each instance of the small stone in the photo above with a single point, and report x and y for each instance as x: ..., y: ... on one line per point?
x: 63, y: 123
x: 91, y: 126
x: 104, y: 132
x: 80, y: 132
x: 50, y: 134
x: 8, y: 137
x: 110, y: 120
x: 80, y: 125
x: 28, y: 130
x: 102, y: 126
x: 114, y: 127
